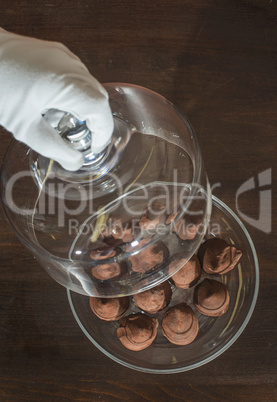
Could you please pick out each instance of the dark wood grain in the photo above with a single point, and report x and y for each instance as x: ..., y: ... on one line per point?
x: 216, y: 60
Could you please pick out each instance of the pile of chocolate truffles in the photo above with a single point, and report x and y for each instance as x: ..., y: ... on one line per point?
x: 118, y: 236
x: 179, y: 323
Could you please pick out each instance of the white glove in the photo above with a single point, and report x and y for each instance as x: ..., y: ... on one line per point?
x: 38, y: 75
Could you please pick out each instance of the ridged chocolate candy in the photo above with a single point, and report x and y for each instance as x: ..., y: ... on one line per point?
x: 218, y: 257
x: 180, y: 325
x: 137, y: 331
x: 148, y: 257
x: 104, y: 271
x: 153, y: 216
x: 184, y: 229
x: 155, y: 299
x: 211, y: 298
x: 102, y: 253
x: 188, y: 275
x: 118, y: 230
x: 109, y: 309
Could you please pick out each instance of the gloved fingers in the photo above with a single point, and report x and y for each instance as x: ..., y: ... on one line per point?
x: 42, y: 138
x: 101, y: 124
x: 86, y: 100
x: 40, y: 75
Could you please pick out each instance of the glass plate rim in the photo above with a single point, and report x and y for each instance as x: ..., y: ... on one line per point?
x: 223, y: 207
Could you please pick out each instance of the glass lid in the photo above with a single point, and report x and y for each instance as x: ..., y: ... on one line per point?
x: 112, y: 228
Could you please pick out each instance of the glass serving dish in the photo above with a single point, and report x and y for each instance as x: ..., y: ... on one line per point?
x: 215, y: 334
x: 110, y: 228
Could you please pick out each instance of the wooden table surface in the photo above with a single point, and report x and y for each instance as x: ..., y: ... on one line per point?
x: 216, y: 60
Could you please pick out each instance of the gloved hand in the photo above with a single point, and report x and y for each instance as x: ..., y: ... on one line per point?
x: 38, y: 75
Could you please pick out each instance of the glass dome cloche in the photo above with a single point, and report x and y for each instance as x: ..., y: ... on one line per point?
x: 111, y: 228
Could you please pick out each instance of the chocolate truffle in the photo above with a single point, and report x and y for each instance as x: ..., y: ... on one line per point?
x: 106, y: 271
x: 102, y: 253
x: 155, y: 299
x: 184, y: 229
x: 148, y: 257
x: 188, y: 275
x: 211, y: 298
x: 155, y: 215
x: 109, y: 309
x: 137, y: 331
x: 218, y: 257
x: 118, y: 230
x: 180, y: 325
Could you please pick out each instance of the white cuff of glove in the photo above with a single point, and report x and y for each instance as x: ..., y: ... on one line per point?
x: 38, y: 75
